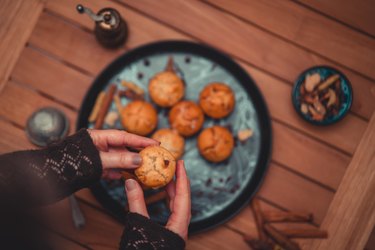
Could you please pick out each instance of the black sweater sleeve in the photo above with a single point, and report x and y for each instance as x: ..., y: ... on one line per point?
x: 39, y: 177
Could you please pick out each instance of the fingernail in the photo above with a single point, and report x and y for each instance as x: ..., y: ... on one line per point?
x: 130, y: 184
x: 137, y: 159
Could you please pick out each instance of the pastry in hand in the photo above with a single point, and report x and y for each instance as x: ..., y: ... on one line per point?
x: 166, y: 88
x: 186, y: 117
x: 215, y: 143
x: 139, y: 117
x: 170, y: 140
x: 217, y: 100
x: 157, y: 168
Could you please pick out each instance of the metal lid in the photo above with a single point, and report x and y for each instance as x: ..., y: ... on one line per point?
x: 111, y: 18
x: 47, y: 125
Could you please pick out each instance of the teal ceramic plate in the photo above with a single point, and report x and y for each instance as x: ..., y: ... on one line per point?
x: 345, y: 96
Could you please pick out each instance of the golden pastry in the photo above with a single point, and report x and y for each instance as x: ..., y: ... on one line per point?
x: 139, y: 117
x: 166, y: 88
x: 157, y: 168
x: 215, y: 143
x: 217, y: 100
x: 186, y: 117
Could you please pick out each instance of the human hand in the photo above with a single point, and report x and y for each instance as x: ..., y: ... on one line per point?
x: 179, y: 204
x: 112, y: 146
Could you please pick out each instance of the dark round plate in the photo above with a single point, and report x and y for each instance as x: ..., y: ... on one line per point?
x: 219, y: 191
x: 346, y: 96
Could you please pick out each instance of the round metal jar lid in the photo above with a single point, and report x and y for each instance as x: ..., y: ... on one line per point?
x: 47, y: 125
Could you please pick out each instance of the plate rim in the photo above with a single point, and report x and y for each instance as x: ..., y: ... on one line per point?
x: 165, y: 46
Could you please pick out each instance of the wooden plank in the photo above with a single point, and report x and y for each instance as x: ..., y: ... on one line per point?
x: 18, y: 103
x: 219, y: 238
x: 310, y: 30
x: 142, y: 30
x: 17, y: 18
x: 51, y: 77
x: 281, y: 107
x: 358, y: 14
x: 12, y: 138
x: 251, y: 44
x: 295, y: 193
x: 315, y: 160
x: 351, y: 215
x: 92, y: 57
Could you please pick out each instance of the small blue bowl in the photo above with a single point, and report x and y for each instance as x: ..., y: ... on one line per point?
x: 346, y: 96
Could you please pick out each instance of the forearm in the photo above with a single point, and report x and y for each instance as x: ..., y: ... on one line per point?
x: 38, y: 177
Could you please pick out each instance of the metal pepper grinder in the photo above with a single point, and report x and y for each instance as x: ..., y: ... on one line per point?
x: 111, y: 30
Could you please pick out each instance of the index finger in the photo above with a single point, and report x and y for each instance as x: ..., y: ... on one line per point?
x: 122, y: 138
x: 180, y: 218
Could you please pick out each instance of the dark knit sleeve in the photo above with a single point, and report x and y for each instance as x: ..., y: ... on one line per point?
x: 142, y: 233
x: 38, y: 177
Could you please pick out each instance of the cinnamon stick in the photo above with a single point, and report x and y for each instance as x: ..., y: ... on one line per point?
x: 132, y: 86
x: 105, y: 106
x: 98, y: 103
x: 280, y: 216
x: 118, y: 103
x: 256, y: 244
x: 280, y: 238
x: 130, y: 94
x: 258, y: 219
x: 156, y: 197
x: 305, y: 233
x: 170, y: 65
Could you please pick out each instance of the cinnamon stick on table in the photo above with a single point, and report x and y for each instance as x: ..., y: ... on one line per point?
x: 304, y: 233
x: 258, y: 219
x: 280, y: 238
x: 105, y: 107
x: 281, y: 216
x: 256, y: 244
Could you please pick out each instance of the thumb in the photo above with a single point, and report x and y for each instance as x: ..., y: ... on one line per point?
x: 136, y: 200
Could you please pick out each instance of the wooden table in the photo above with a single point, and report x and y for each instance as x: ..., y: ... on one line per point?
x: 50, y: 57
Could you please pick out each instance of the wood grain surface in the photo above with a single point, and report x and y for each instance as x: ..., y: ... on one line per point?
x: 272, y: 41
x: 358, y: 14
x: 17, y: 19
x: 351, y: 215
x: 308, y: 29
x: 250, y: 43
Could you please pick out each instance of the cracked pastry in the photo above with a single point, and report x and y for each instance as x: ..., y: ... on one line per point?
x: 217, y: 100
x: 157, y: 168
x: 139, y: 117
x: 166, y: 89
x: 170, y: 140
x: 215, y: 144
x: 186, y: 117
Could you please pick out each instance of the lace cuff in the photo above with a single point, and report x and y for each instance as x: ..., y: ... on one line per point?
x: 142, y: 233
